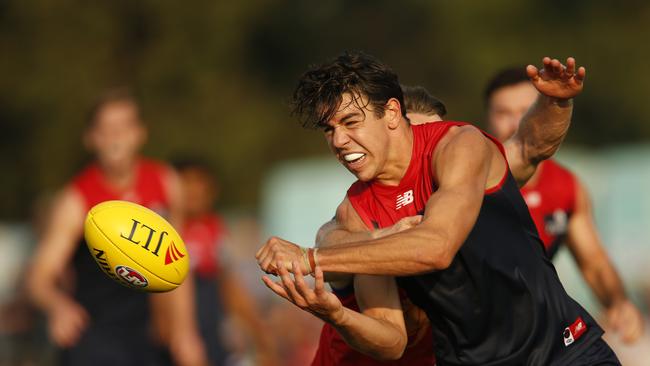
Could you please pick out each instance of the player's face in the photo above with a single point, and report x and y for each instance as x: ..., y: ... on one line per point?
x: 358, y: 138
x: 198, y: 192
x: 117, y: 134
x: 507, y: 106
x: 422, y: 118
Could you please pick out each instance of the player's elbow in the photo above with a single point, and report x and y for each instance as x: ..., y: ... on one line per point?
x: 535, y: 153
x: 436, y: 253
x: 34, y: 283
x: 393, y: 352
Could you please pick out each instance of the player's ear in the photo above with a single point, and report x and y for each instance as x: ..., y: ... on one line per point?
x: 393, y: 113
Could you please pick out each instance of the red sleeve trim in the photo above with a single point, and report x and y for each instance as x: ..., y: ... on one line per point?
x: 505, y: 157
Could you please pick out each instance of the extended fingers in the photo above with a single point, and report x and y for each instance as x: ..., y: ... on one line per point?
x: 290, y: 286
x: 275, y: 287
x: 303, y: 289
x: 547, y: 65
x: 557, y: 67
x: 532, y: 72
x: 570, y: 66
x: 319, y: 285
x: 580, y: 75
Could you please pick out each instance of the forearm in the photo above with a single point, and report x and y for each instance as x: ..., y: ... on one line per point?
x: 544, y: 127
x: 407, y: 253
x: 337, y: 237
x: 605, y: 283
x: 376, y: 338
x: 44, y: 293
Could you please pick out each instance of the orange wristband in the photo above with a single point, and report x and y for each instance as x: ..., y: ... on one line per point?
x: 311, y: 253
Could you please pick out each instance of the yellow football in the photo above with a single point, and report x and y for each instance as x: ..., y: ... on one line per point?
x: 135, y: 246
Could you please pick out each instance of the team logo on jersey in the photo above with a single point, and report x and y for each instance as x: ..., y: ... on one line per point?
x: 574, y: 331
x: 533, y: 199
x: 173, y: 254
x: 131, y: 276
x: 404, y: 199
x: 556, y: 223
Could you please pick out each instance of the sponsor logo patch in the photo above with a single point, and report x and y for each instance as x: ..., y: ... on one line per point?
x: 574, y: 331
x: 404, y: 199
x: 131, y: 276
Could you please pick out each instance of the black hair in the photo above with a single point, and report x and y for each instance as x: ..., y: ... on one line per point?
x: 418, y: 100
x: 318, y: 95
x: 186, y: 163
x: 506, y: 77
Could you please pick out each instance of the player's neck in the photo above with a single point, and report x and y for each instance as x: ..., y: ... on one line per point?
x: 532, y: 182
x: 400, y: 151
x: 120, y: 177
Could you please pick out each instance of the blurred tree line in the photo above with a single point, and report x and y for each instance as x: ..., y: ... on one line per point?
x: 214, y: 76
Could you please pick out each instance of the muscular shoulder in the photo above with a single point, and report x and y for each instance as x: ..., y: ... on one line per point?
x: 348, y: 217
x: 462, y: 137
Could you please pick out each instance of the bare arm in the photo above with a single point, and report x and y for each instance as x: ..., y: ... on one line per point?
x: 466, y: 163
x: 347, y: 227
x: 598, y: 270
x: 66, y: 318
x: 380, y: 333
x: 546, y: 123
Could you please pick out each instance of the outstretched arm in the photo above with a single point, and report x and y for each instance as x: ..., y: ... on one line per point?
x: 546, y: 123
x: 379, y: 333
x: 347, y: 227
x: 599, y: 272
x: 466, y: 163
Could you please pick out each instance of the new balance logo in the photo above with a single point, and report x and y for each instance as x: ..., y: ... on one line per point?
x: 404, y: 199
x: 173, y: 254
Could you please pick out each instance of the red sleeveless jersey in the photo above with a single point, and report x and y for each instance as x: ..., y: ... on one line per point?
x: 551, y: 200
x: 388, y: 204
x: 333, y: 351
x: 147, y: 190
x: 203, y: 237
x: 113, y: 308
x: 499, y: 301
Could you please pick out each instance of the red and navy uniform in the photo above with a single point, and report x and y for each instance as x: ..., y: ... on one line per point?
x: 551, y: 199
x: 204, y: 237
x: 500, y: 302
x: 333, y: 351
x: 118, y: 332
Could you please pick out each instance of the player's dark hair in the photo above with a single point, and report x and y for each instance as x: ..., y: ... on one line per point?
x: 506, y: 77
x: 186, y: 163
x: 418, y: 100
x: 111, y: 96
x: 320, y: 90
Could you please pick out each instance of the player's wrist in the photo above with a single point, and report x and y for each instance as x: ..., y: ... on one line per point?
x: 559, y: 102
x: 338, y: 317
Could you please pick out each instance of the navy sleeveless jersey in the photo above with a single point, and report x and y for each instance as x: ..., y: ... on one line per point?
x: 500, y: 302
x: 119, y: 330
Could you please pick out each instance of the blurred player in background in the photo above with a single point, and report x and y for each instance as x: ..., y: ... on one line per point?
x: 217, y: 287
x: 94, y: 320
x: 560, y: 206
